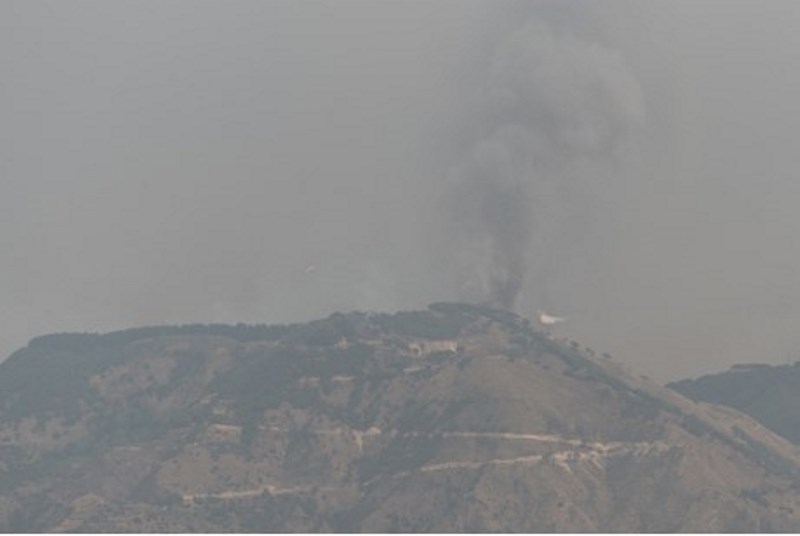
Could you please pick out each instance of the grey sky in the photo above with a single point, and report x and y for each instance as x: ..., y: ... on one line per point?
x: 170, y: 162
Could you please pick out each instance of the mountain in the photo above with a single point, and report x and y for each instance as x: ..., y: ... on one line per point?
x: 456, y: 418
x: 770, y: 394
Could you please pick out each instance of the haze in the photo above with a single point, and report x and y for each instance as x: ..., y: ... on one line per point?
x: 176, y: 162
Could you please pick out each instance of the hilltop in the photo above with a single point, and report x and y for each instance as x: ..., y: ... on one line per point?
x: 456, y: 418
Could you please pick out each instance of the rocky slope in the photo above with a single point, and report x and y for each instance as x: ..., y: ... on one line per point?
x: 459, y: 418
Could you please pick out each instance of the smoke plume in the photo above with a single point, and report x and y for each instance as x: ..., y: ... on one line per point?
x: 552, y: 107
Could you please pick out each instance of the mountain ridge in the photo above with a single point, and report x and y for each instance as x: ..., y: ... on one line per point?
x: 769, y: 394
x: 456, y: 418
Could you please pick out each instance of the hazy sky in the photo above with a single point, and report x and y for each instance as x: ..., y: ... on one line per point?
x: 173, y: 162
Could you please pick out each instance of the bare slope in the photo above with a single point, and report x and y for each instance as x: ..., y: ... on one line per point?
x: 459, y: 418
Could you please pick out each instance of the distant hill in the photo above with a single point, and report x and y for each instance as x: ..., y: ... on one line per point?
x: 770, y: 394
x: 456, y: 418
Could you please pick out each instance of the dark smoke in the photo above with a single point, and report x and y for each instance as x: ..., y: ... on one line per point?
x: 552, y: 108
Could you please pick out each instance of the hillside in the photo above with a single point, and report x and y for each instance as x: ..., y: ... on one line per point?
x: 457, y: 418
x: 770, y: 394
